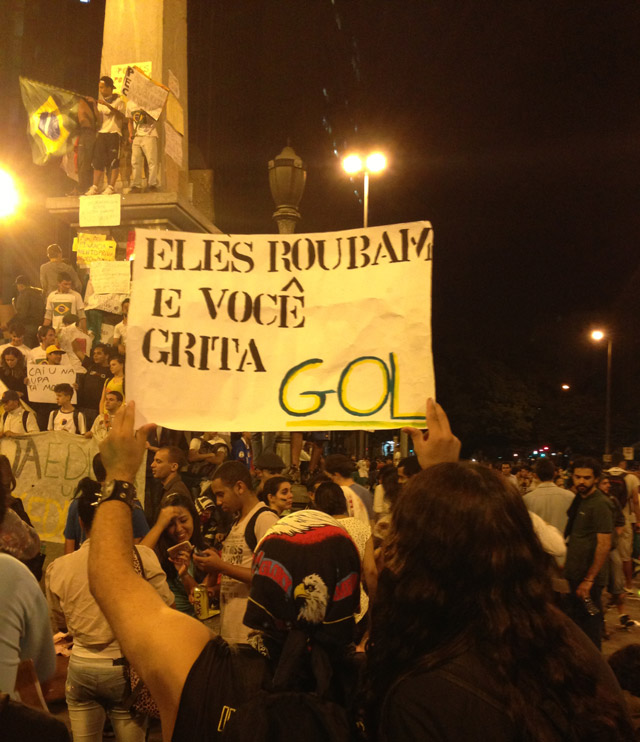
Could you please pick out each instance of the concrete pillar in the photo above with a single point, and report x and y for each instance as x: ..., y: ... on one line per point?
x: 153, y: 31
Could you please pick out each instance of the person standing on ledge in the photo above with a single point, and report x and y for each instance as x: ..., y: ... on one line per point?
x: 106, y: 153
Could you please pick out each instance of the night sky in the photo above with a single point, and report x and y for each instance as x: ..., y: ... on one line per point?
x: 514, y: 127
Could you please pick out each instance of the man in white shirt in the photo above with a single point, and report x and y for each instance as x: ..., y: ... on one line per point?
x: 233, y: 490
x: 106, y: 153
x: 630, y: 510
x: 102, y: 424
x: 120, y: 330
x: 63, y: 302
x: 143, y: 135
x: 17, y: 340
x: 546, y: 500
x: 16, y: 420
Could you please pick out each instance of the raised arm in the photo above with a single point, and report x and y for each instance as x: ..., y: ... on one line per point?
x: 161, y: 643
x: 438, y: 444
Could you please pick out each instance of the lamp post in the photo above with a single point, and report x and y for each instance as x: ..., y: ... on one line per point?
x: 599, y: 335
x: 375, y: 162
x: 287, y: 178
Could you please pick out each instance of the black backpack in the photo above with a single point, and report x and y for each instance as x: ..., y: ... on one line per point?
x: 25, y: 417
x: 283, y: 711
x: 250, y: 528
x: 618, y: 488
x: 76, y: 417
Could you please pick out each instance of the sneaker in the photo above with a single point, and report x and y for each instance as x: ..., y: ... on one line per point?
x: 109, y: 191
x: 135, y: 189
x: 625, y: 620
x: 93, y: 191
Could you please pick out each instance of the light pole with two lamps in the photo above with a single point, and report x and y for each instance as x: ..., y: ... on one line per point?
x: 599, y: 335
x: 353, y: 164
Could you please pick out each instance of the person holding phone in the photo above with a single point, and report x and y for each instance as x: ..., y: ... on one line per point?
x: 173, y: 536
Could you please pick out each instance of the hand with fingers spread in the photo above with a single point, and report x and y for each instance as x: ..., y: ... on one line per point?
x: 437, y: 444
x: 123, y: 448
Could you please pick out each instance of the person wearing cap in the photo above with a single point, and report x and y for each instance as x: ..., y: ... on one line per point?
x: 16, y: 420
x: 29, y: 308
x: 110, y: 110
x: 304, y: 592
x: 54, y: 355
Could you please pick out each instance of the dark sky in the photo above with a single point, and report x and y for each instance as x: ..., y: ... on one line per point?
x: 513, y: 126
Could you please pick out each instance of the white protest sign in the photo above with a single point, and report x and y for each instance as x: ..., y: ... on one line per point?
x: 47, y: 468
x: 173, y: 143
x: 144, y: 92
x: 111, y: 277
x: 41, y: 378
x: 118, y: 71
x: 99, y: 211
x: 275, y: 332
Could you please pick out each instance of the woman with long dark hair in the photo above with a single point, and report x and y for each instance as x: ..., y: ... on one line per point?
x: 177, y: 523
x: 13, y: 371
x: 464, y: 620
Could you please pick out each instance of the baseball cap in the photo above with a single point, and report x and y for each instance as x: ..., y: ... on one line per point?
x: 54, y: 349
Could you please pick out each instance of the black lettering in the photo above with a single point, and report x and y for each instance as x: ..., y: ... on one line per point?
x: 231, y: 307
x: 385, y: 244
x: 252, y: 349
x: 239, y: 255
x: 353, y: 252
x: 168, y: 302
x: 211, y: 305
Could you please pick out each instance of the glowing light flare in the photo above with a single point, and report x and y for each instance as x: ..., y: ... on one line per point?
x: 597, y: 335
x: 352, y: 164
x: 9, y: 196
x: 376, y: 162
x: 566, y: 387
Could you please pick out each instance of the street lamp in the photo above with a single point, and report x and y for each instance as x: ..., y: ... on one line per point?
x: 566, y: 387
x: 599, y: 335
x: 375, y: 162
x: 9, y: 196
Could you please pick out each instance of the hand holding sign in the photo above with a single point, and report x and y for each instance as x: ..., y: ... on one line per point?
x: 437, y: 444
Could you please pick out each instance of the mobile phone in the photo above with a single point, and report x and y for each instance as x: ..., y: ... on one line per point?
x: 182, y: 546
x: 199, y: 552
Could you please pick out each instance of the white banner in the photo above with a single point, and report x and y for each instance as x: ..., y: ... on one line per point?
x: 47, y: 468
x: 144, y: 92
x: 275, y: 332
x: 41, y: 378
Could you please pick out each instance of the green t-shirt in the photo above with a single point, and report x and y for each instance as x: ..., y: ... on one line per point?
x: 594, y: 517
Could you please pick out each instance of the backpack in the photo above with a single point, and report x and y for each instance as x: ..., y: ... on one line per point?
x: 618, y: 488
x: 250, y: 529
x: 76, y: 417
x: 281, y: 710
x: 25, y: 417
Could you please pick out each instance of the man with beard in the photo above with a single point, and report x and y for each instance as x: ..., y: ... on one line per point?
x: 589, y: 529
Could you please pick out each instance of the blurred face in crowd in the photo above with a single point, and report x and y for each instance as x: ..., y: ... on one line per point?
x: 282, y: 500
x: 584, y: 481
x: 604, y: 484
x: 99, y: 356
x: 505, y: 469
x: 181, y: 527
x: 403, y: 477
x: 55, y: 358
x: 10, y: 359
x: 11, y: 404
x: 62, y: 399
x: 16, y: 339
x: 228, y: 498
x: 559, y: 482
x: 125, y: 308
x: 49, y: 338
x: 64, y: 287
x: 116, y: 367
x: 161, y: 467
x: 112, y: 403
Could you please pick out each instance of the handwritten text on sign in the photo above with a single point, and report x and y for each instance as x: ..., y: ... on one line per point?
x: 269, y: 332
x: 41, y: 379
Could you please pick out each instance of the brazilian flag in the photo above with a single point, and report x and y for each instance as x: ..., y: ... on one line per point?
x: 53, y: 118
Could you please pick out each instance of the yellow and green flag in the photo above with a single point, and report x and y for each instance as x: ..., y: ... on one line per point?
x: 53, y: 118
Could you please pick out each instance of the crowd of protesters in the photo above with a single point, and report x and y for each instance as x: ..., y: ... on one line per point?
x: 331, y: 598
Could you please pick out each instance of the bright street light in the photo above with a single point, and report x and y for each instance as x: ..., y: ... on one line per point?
x: 375, y: 162
x: 9, y: 197
x: 565, y: 387
x: 599, y: 335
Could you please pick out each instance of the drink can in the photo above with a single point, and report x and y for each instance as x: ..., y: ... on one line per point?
x: 201, y: 602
